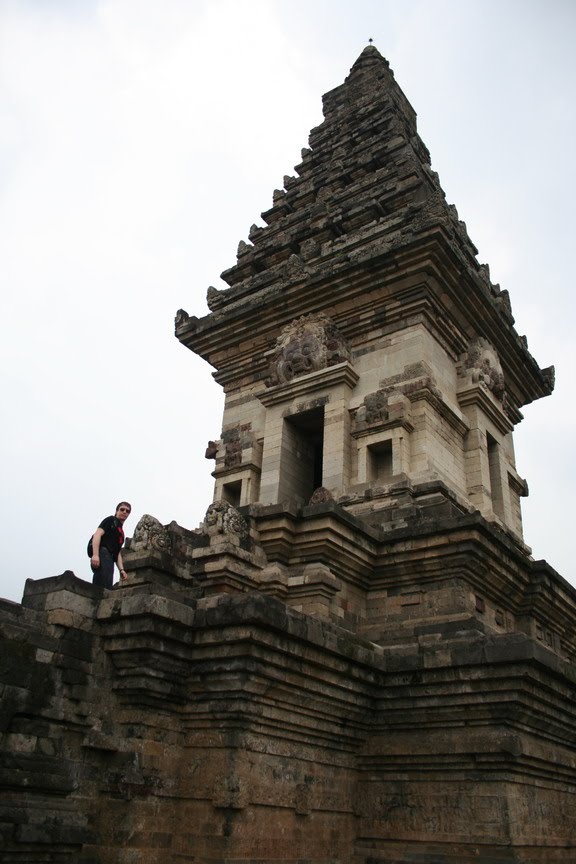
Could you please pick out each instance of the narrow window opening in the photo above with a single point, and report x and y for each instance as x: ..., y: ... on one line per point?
x: 232, y: 492
x: 495, y: 476
x: 302, y: 456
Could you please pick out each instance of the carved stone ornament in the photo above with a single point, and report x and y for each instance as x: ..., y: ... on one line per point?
x: 321, y: 495
x: 374, y: 408
x: 294, y: 268
x: 150, y: 534
x: 308, y: 344
x: 483, y: 365
x: 222, y: 518
x: 549, y: 375
x: 181, y: 317
x: 213, y: 298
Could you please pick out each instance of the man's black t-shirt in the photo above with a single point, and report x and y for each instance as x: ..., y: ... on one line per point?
x: 113, y: 537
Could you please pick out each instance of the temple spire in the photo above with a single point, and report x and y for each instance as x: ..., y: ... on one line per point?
x: 365, y: 277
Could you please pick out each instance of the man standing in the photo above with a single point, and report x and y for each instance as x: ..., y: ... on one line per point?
x: 106, y: 544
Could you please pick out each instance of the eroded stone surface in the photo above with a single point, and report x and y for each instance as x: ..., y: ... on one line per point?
x: 367, y: 292
x: 308, y: 344
x: 353, y: 658
x: 151, y: 534
x: 379, y: 694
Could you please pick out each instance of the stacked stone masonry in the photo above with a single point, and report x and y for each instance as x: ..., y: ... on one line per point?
x: 354, y: 659
x: 363, y: 266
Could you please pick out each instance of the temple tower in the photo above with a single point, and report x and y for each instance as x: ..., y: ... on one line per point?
x: 361, y: 346
x: 354, y: 658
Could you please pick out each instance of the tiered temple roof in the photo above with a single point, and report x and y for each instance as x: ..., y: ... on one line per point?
x: 364, y: 201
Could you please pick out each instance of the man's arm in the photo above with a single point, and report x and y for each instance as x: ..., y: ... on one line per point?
x: 96, y: 538
x: 120, y: 564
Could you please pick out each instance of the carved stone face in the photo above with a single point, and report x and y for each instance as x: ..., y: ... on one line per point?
x: 376, y: 406
x: 483, y: 364
x: 306, y: 345
x: 301, y: 355
x: 150, y: 534
x: 222, y: 518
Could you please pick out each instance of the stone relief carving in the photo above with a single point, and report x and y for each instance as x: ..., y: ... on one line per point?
x: 321, y: 495
x: 386, y: 402
x: 150, y: 534
x: 483, y: 365
x: 308, y: 344
x: 374, y: 407
x: 294, y: 267
x: 181, y: 317
x: 222, y: 518
x: 213, y: 298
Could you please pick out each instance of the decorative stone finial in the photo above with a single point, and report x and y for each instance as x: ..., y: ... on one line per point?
x: 222, y: 518
x: 483, y: 364
x: 181, y: 317
x: 321, y: 496
x: 549, y: 375
x: 213, y: 298
x: 150, y: 534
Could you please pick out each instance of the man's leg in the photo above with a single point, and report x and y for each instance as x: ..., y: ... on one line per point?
x: 104, y: 575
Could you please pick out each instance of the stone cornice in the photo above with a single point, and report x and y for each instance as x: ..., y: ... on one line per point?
x: 452, y: 299
x: 313, y: 383
x: 478, y: 394
x: 466, y: 547
x: 458, y: 422
x: 235, y: 470
x: 382, y: 425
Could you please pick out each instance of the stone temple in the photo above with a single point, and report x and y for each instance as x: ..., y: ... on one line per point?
x: 354, y: 659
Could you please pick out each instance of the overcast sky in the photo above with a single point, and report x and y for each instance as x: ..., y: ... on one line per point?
x: 140, y: 139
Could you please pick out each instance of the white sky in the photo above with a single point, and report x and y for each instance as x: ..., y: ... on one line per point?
x: 140, y: 139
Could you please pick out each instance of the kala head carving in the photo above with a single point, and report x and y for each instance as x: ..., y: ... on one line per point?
x: 483, y: 365
x: 308, y: 344
x: 222, y: 518
x: 150, y: 534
